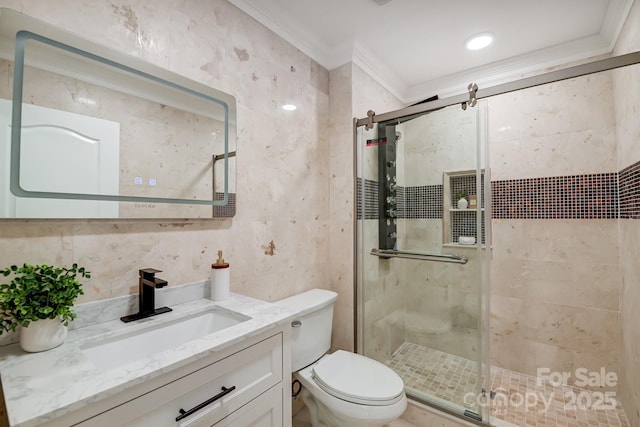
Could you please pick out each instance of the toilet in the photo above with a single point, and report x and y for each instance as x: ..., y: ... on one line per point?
x: 341, y: 389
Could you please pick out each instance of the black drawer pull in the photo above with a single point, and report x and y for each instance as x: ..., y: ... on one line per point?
x: 185, y: 414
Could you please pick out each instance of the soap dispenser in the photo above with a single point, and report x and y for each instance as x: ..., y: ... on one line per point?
x: 219, y: 279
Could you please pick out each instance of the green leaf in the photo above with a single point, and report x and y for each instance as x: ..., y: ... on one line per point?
x: 38, y: 291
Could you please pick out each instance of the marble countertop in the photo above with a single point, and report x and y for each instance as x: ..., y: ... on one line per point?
x: 39, y: 387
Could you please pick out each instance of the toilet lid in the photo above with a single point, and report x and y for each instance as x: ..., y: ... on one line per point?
x: 358, y: 379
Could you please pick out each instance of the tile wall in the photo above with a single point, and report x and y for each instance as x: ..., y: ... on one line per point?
x: 284, y: 194
x: 434, y: 304
x: 382, y: 293
x: 556, y: 280
x: 555, y: 277
x: 626, y: 85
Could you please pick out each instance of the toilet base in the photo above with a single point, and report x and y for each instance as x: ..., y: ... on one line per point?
x: 329, y: 411
x: 320, y: 416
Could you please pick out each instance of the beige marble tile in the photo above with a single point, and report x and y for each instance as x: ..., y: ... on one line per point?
x: 597, y: 285
x: 572, y: 153
x: 451, y: 146
x: 283, y: 168
x: 532, y: 280
x: 551, y: 109
x: 626, y: 82
x: 556, y: 240
x: 513, y: 352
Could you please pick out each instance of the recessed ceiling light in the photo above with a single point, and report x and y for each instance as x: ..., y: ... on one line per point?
x: 479, y: 41
x: 289, y: 107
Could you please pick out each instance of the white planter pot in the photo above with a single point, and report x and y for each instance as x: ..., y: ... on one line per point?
x: 43, y: 334
x: 463, y: 203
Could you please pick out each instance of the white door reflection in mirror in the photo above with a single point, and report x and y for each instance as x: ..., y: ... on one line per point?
x: 60, y: 152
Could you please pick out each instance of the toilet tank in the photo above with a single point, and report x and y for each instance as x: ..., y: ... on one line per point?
x: 311, y: 327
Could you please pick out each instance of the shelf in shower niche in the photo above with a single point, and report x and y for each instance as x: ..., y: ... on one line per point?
x: 458, y: 245
x: 465, y: 210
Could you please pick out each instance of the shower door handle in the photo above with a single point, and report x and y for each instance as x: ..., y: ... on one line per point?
x: 421, y: 256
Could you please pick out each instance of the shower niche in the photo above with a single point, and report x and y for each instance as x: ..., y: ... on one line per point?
x: 463, y: 224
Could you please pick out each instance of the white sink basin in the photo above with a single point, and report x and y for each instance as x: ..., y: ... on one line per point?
x: 144, y: 342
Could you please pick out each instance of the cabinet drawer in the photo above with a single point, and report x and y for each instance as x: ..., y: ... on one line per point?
x: 251, y: 371
x: 265, y: 411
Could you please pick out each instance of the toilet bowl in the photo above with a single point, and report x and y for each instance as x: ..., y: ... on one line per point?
x: 340, y: 389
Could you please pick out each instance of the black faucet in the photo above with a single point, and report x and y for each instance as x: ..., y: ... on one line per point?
x: 147, y: 284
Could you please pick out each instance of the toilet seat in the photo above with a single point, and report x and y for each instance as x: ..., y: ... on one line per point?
x: 358, y: 379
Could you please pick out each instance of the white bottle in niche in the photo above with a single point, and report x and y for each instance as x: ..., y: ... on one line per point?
x: 463, y: 203
x: 220, y: 279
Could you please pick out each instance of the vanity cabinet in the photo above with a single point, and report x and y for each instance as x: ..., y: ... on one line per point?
x: 243, y: 388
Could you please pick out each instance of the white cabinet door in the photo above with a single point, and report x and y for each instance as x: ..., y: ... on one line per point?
x: 264, y: 411
x: 247, y: 374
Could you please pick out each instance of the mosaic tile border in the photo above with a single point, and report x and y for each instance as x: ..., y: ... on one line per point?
x: 593, y: 196
x: 370, y: 199
x: 589, y: 196
x: 418, y: 202
x: 421, y: 202
x: 629, y: 191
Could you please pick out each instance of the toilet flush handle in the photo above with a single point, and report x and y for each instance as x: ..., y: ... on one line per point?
x: 296, y: 324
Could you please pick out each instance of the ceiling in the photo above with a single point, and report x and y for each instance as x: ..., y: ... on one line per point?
x: 415, y: 48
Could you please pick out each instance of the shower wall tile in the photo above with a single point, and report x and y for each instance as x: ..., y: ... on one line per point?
x: 367, y: 197
x: 567, y: 107
x: 597, y: 285
x: 578, y: 152
x: 555, y: 287
x: 383, y: 291
x: 441, y: 302
x: 626, y: 84
x: 556, y: 240
x: 383, y: 294
x: 545, y: 281
x: 444, y: 141
x: 423, y: 201
x: 571, y: 197
x: 420, y: 234
x: 525, y: 351
x: 630, y: 191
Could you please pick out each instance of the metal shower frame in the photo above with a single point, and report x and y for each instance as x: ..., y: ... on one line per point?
x: 465, y: 100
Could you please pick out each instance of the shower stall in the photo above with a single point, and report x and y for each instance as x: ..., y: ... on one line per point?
x: 467, y: 320
x: 422, y: 257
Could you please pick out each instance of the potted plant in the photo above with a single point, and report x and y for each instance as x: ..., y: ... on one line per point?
x: 39, y: 299
x: 461, y: 197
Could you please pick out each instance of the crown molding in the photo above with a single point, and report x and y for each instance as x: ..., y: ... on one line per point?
x: 614, y: 20
x: 332, y: 57
x: 510, y: 69
x: 379, y: 71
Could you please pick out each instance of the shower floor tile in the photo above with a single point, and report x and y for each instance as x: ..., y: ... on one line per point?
x: 519, y: 399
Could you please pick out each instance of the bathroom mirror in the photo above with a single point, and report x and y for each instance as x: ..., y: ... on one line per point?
x: 90, y: 132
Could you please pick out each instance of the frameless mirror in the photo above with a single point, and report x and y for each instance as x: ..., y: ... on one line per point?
x: 90, y: 132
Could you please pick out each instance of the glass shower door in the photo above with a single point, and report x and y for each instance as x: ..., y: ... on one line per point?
x: 421, y: 254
